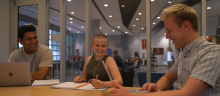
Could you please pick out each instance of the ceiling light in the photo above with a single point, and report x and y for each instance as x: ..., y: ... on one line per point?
x: 118, y: 26
x: 100, y: 27
x: 82, y: 26
x: 158, y: 17
x: 169, y: 2
x: 142, y: 28
x: 71, y: 18
x: 71, y: 22
x: 208, y: 7
x: 164, y: 33
x: 153, y: 22
x: 122, y: 5
x: 110, y: 15
x: 137, y: 19
x: 68, y: 0
x: 105, y: 33
x: 106, y: 5
x: 134, y: 25
x: 69, y: 28
x: 77, y: 31
x: 113, y: 30
x: 139, y: 13
x: 126, y: 32
x: 152, y: 0
x: 72, y: 12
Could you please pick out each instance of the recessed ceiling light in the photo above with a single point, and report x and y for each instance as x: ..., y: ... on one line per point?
x: 152, y: 0
x: 164, y: 33
x: 154, y: 23
x: 118, y: 26
x: 208, y: 7
x: 105, y: 33
x: 134, y: 25
x: 122, y: 5
x: 72, y: 12
x: 71, y: 18
x: 69, y: 28
x: 113, y: 30
x: 82, y: 26
x: 158, y: 17
x: 106, y: 5
x: 126, y: 32
x: 137, y: 19
x: 110, y: 15
x: 139, y: 13
x: 169, y: 2
x: 142, y: 28
x: 77, y: 31
x: 71, y: 22
x: 68, y: 0
x: 100, y: 27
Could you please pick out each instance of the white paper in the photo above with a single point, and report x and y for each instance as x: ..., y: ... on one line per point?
x: 45, y: 82
x: 73, y: 85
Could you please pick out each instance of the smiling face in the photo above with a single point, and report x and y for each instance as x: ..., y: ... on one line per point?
x: 29, y: 42
x: 100, y: 46
x: 175, y: 33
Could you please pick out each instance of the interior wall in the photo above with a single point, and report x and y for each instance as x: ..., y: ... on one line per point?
x: 79, y: 41
x: 4, y: 32
x: 157, y: 41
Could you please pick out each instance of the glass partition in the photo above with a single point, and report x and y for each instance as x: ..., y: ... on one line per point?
x: 75, y: 38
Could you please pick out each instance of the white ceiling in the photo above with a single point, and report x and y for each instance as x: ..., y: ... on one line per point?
x: 78, y: 7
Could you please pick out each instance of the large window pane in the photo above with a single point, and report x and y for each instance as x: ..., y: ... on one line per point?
x: 213, y: 21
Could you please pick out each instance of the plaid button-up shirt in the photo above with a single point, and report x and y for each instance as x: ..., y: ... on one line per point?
x: 200, y: 60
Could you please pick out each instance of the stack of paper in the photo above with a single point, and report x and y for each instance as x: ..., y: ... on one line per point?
x: 45, y: 82
x: 77, y: 86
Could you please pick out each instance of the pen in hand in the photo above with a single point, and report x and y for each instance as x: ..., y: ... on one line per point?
x: 96, y: 77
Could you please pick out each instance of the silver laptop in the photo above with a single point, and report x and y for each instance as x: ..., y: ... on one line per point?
x: 15, y: 73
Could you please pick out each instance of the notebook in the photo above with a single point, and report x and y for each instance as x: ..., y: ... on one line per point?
x: 15, y: 73
x: 45, y: 82
x: 77, y: 86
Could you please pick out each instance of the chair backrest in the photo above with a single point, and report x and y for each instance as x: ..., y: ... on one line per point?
x: 139, y: 63
x: 82, y: 65
x: 127, y: 78
x: 125, y: 66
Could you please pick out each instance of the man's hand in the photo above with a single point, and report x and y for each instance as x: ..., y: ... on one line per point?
x: 150, y: 87
x: 120, y: 91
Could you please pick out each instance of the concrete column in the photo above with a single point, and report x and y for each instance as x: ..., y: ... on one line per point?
x: 95, y: 24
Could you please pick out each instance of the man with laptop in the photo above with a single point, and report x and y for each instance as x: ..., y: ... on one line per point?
x: 39, y: 56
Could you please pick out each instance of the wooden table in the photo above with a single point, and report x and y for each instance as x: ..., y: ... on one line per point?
x: 47, y: 91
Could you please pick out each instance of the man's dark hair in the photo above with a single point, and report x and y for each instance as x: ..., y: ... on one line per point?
x: 115, y: 52
x: 25, y: 29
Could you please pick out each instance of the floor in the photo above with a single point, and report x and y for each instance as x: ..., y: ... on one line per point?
x: 72, y: 72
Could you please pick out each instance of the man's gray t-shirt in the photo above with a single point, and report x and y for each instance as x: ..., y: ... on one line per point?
x: 42, y: 57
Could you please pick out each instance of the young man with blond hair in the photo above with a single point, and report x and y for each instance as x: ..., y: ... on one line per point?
x: 196, y: 72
